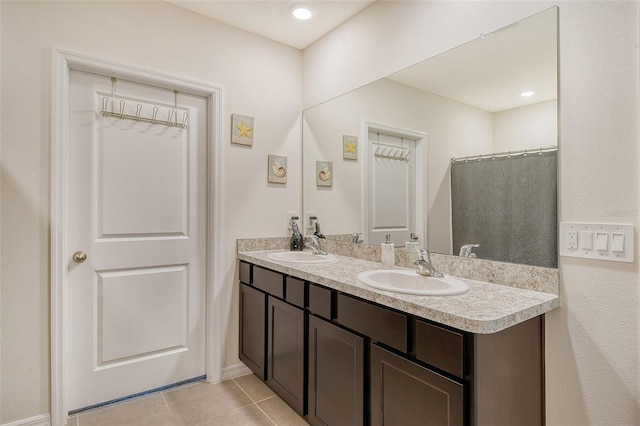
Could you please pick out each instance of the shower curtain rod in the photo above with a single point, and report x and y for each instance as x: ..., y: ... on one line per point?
x: 507, y: 154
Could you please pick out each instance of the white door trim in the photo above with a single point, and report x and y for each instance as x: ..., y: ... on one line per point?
x: 63, y: 62
x: 421, y: 195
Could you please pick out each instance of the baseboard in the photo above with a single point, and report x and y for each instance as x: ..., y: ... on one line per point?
x: 41, y: 420
x: 234, y: 371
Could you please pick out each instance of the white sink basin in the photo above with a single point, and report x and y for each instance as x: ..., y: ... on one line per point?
x: 301, y: 257
x: 409, y: 282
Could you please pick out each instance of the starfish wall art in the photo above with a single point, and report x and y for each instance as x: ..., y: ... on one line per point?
x: 241, y: 129
x: 349, y: 147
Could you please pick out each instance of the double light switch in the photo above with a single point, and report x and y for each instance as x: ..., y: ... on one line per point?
x: 612, y: 242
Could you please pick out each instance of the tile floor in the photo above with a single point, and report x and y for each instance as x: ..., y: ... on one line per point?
x: 242, y: 401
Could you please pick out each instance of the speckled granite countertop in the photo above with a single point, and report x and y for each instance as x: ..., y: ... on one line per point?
x: 486, y: 308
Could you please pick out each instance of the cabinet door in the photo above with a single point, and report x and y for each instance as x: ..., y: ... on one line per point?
x: 253, y: 329
x: 336, y: 368
x: 285, y: 352
x: 404, y: 393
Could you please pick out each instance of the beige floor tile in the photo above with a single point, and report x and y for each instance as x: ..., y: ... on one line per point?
x: 281, y: 413
x: 250, y: 415
x: 204, y: 402
x: 254, y: 387
x: 148, y: 411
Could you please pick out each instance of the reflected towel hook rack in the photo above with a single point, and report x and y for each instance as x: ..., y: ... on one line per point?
x: 391, y: 152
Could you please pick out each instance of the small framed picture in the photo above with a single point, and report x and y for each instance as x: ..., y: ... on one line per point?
x: 349, y: 147
x: 242, y: 129
x: 324, y: 173
x: 277, y: 170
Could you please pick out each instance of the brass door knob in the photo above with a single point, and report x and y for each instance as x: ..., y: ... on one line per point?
x: 79, y: 256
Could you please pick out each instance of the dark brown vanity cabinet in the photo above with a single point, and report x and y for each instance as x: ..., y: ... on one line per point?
x: 336, y: 375
x: 273, y: 332
x: 285, y: 352
x: 404, y: 393
x: 340, y: 360
x: 253, y: 327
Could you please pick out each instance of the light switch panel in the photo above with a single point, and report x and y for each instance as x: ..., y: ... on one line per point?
x: 602, y: 241
x: 617, y: 242
x: 613, y: 242
x: 586, y: 240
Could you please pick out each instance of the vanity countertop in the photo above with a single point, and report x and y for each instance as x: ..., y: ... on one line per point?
x: 486, y: 308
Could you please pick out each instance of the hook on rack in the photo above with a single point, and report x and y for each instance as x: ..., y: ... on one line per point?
x: 138, y: 111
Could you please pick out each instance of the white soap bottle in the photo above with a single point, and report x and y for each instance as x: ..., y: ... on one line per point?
x: 388, y: 256
x: 413, y: 244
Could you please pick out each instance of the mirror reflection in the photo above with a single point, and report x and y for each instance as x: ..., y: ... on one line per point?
x: 457, y: 153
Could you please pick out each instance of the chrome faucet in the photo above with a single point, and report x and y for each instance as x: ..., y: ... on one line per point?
x: 425, y: 267
x: 467, y: 250
x: 314, y: 244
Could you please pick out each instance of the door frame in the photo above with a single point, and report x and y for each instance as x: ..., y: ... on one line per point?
x: 62, y: 63
x: 422, y: 173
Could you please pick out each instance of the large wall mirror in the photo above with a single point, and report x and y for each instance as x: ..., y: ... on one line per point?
x: 452, y: 150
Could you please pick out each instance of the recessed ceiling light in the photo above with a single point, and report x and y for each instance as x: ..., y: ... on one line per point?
x: 301, y: 11
x: 527, y: 94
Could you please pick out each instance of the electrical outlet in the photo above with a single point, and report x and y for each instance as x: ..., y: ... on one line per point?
x: 572, y: 240
x: 289, y: 216
x: 308, y: 223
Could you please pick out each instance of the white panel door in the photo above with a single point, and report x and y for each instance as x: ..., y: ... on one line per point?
x: 391, y: 201
x: 137, y: 209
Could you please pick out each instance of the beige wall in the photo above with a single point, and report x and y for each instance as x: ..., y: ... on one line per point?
x: 591, y: 342
x: 592, y: 357
x: 259, y: 78
x: 527, y: 127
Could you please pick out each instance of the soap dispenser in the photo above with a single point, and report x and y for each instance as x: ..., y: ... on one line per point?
x: 297, y: 240
x: 413, y: 243
x: 388, y: 256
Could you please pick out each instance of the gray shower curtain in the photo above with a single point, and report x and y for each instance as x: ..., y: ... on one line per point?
x: 508, y: 206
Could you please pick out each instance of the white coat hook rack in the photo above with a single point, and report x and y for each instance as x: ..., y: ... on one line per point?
x: 392, y: 152
x: 171, y: 121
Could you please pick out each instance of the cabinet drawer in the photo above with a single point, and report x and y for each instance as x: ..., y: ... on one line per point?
x: 295, y: 291
x: 321, y: 301
x: 381, y: 324
x: 245, y: 272
x: 269, y: 281
x: 440, y: 347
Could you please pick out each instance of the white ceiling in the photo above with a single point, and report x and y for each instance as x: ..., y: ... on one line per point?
x: 273, y: 20
x: 491, y: 72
